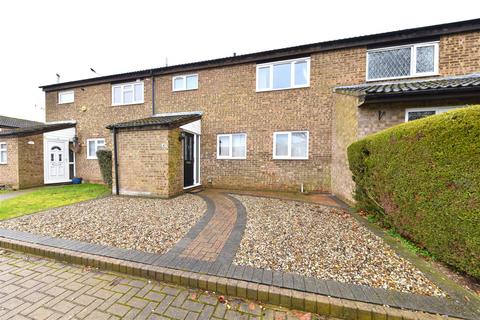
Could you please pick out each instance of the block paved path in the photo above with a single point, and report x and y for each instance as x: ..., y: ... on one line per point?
x: 40, y: 288
x: 211, y: 240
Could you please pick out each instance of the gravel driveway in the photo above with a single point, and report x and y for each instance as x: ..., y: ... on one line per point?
x: 151, y: 225
x: 323, y: 242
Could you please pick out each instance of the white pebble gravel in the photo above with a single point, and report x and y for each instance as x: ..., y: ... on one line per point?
x: 325, y: 243
x: 150, y: 225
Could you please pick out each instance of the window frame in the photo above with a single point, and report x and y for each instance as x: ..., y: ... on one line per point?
x: 122, y: 86
x: 292, y: 74
x: 230, y: 148
x: 184, y: 77
x: 94, y: 157
x: 436, y: 109
x: 289, y: 156
x: 413, y: 60
x: 60, y: 93
x: 3, y: 148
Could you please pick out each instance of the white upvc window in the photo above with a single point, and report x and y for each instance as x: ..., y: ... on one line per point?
x: 280, y: 75
x: 185, y: 82
x: 407, y: 61
x: 93, y: 145
x: 232, y: 146
x: 127, y: 93
x: 66, y: 97
x: 419, y: 113
x: 3, y: 153
x: 290, y: 145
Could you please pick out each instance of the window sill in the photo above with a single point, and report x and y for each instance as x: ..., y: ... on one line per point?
x: 282, y: 89
x: 230, y: 158
x: 63, y: 103
x: 182, y: 90
x: 423, y: 75
x: 276, y: 158
x: 90, y: 158
x: 127, y: 104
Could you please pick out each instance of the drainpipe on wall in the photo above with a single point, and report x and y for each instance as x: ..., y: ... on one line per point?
x: 115, y: 162
x: 153, y: 93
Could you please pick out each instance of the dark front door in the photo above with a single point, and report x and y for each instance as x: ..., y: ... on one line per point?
x: 188, y: 160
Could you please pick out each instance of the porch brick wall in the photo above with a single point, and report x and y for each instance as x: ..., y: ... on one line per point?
x: 230, y: 104
x: 9, y: 171
x: 30, y: 161
x: 148, y: 162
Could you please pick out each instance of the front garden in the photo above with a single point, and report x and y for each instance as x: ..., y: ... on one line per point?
x: 50, y: 197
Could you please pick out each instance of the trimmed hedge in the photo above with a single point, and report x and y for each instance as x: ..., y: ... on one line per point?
x: 423, y: 179
x: 105, y: 161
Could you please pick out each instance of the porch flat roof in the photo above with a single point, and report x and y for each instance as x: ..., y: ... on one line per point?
x: 37, y: 129
x: 167, y: 121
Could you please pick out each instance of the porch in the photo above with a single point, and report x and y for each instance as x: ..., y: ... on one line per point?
x: 157, y: 156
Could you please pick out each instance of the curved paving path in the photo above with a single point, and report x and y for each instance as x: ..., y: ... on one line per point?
x: 217, y: 236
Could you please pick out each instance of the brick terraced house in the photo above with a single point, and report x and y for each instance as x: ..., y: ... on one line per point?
x: 277, y: 120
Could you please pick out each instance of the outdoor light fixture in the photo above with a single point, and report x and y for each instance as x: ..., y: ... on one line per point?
x: 75, y: 144
x: 380, y: 114
x: 181, y: 136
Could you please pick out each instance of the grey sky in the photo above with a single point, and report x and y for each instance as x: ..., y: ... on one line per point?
x: 42, y: 38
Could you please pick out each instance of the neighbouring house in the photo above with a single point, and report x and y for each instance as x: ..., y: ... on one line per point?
x: 278, y: 120
x: 7, y: 123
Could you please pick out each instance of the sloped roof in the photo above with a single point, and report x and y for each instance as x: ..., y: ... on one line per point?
x: 37, y: 129
x: 167, y: 121
x: 16, y: 122
x: 436, y: 85
x: 412, y: 34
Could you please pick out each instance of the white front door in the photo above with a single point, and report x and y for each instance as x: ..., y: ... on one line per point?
x: 56, y: 161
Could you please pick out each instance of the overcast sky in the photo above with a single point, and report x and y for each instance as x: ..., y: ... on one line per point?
x: 42, y: 38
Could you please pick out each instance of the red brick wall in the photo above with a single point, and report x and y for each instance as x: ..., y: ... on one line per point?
x: 93, y: 111
x: 230, y: 104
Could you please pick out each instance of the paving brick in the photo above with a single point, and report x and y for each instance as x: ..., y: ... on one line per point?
x: 137, y: 303
x: 40, y: 314
x: 176, y: 313
x: 118, y: 309
x: 97, y: 315
x: 63, y: 306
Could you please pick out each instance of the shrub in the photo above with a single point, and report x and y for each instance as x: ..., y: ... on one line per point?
x: 423, y: 179
x: 105, y: 162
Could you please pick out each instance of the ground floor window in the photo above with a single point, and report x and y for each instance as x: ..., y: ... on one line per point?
x: 3, y: 153
x: 93, y: 145
x: 418, y: 113
x: 290, y: 145
x: 232, y: 146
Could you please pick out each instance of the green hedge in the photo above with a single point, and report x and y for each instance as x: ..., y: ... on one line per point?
x: 105, y: 161
x: 423, y: 179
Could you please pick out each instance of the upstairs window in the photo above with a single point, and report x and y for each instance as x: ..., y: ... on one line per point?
x: 93, y: 145
x: 290, y: 145
x: 414, y: 60
x: 3, y: 153
x: 232, y: 146
x: 66, y: 97
x: 186, y: 82
x: 127, y: 93
x: 283, y: 75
